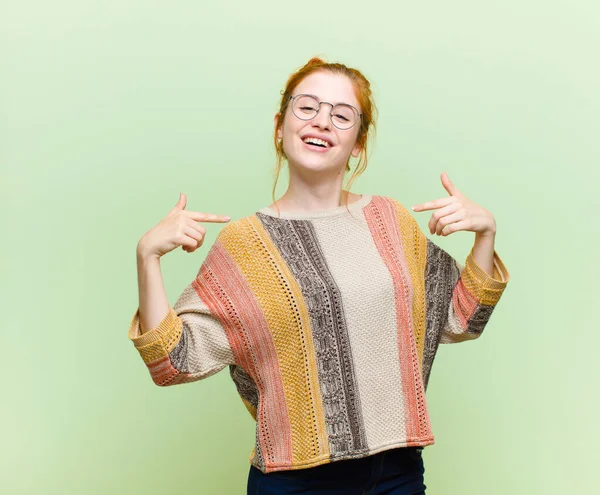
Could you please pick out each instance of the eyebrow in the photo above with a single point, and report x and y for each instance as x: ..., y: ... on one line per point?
x: 337, y: 103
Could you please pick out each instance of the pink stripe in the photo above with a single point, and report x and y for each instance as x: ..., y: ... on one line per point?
x: 383, y: 222
x: 252, y: 345
x: 163, y: 373
x: 464, y: 303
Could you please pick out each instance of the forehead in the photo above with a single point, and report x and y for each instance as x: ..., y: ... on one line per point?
x: 334, y: 88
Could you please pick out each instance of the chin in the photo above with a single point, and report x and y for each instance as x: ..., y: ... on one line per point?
x: 315, y: 165
x: 313, y: 161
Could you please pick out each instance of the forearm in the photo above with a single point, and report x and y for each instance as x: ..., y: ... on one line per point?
x: 153, y: 302
x: 483, y: 251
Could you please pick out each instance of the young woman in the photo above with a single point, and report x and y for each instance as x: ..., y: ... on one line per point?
x: 327, y: 306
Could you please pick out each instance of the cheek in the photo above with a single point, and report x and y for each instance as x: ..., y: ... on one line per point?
x: 289, y: 130
x: 287, y: 135
x: 351, y: 142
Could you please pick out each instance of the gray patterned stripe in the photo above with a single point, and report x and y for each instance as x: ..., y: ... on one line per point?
x: 479, y: 319
x: 182, y: 352
x: 249, y: 391
x: 258, y: 460
x: 441, y: 275
x: 297, y: 242
x: 244, y: 384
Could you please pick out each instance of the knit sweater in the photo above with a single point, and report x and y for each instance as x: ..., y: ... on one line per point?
x: 329, y: 322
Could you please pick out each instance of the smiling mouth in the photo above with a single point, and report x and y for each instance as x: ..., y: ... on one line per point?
x: 314, y: 142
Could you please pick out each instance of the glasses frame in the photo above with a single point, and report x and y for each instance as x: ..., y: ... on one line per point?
x: 292, y: 98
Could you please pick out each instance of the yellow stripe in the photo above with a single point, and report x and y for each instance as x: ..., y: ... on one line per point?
x: 478, y: 282
x: 250, y: 407
x: 415, y: 251
x: 160, y: 341
x: 279, y: 297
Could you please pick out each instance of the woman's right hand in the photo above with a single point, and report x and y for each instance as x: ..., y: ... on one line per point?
x: 178, y: 228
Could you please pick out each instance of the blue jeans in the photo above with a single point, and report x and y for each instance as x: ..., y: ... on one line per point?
x: 391, y: 472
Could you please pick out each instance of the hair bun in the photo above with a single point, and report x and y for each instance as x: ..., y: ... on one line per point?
x: 315, y: 61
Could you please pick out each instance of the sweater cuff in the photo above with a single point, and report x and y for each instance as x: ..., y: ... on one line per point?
x: 160, y: 333
x: 485, y: 287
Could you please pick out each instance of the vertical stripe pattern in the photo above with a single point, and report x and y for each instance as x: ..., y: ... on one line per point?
x: 382, y: 219
x: 329, y: 322
x: 296, y: 241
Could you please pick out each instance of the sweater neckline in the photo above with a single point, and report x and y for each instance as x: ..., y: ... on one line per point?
x: 357, y: 205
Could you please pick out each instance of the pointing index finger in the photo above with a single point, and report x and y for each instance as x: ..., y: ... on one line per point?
x: 423, y: 206
x: 199, y: 216
x: 430, y: 205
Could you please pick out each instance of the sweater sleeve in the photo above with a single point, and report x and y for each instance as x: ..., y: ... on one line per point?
x: 460, y: 298
x: 189, y: 344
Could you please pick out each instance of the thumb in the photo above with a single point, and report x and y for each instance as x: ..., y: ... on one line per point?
x: 447, y: 183
x: 182, y: 202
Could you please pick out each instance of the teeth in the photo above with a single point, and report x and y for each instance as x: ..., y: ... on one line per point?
x: 316, y: 141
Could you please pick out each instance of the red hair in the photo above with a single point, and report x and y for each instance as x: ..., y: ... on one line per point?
x: 362, y: 90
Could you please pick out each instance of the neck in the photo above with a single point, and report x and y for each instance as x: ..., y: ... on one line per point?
x: 313, y: 191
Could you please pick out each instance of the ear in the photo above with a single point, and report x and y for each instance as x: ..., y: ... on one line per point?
x: 275, y: 122
x: 356, y: 150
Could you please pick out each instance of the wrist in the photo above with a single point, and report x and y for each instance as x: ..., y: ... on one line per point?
x: 488, y: 234
x: 144, y: 255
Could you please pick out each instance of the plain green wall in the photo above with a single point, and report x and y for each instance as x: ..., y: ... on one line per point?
x: 110, y: 109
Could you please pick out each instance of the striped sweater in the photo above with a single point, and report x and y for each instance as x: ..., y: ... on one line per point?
x: 329, y: 322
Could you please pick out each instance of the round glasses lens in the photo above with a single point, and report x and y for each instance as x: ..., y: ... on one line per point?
x: 343, y: 116
x: 305, y: 107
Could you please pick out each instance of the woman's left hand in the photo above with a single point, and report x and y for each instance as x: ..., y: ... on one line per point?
x: 457, y: 212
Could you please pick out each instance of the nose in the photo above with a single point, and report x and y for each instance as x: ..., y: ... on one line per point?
x: 322, y: 119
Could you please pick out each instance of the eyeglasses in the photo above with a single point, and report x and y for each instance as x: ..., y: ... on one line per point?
x: 342, y: 115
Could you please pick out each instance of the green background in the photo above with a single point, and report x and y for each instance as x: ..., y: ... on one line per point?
x: 110, y: 109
